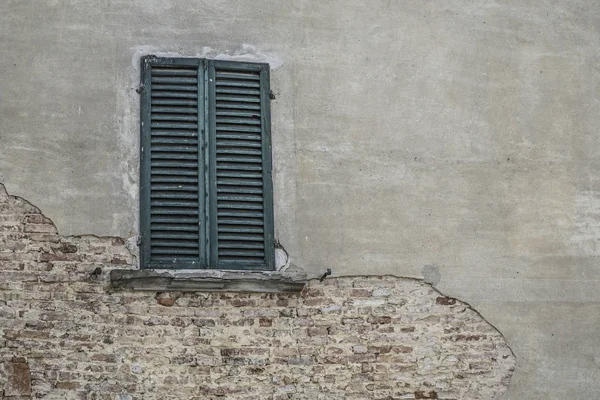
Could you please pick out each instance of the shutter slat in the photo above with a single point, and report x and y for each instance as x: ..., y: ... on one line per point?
x: 183, y: 220
x: 172, y: 179
x: 175, y: 259
x: 242, y: 91
x: 174, y: 251
x: 170, y: 133
x: 238, y: 174
x: 174, y: 125
x: 175, y: 228
x: 191, y: 89
x: 247, y: 253
x: 236, y: 75
x: 236, y: 99
x: 175, y: 110
x: 241, y: 221
x: 176, y: 187
x: 174, y: 94
x: 241, y: 237
x: 237, y: 128
x: 189, y: 236
x: 174, y: 164
x: 173, y: 195
x: 169, y: 203
x: 240, y: 167
x: 231, y: 197
x: 230, y: 143
x: 234, y: 113
x: 239, y: 182
x: 232, y: 205
x: 222, y: 105
x: 174, y: 117
x: 240, y: 189
x: 174, y: 156
x: 173, y: 102
x: 177, y: 79
x: 239, y: 136
x: 235, y: 245
x: 247, y: 261
x: 176, y: 149
x: 174, y: 72
x: 246, y: 214
x: 238, y: 121
x: 180, y: 242
x: 232, y: 150
x: 238, y: 229
x: 173, y: 171
x: 237, y: 83
x: 171, y: 140
x: 188, y: 212
x: 240, y: 159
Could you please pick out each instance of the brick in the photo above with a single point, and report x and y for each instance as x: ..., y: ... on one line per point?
x: 45, y: 257
x: 40, y: 228
x: 446, y: 301
x: 18, y: 382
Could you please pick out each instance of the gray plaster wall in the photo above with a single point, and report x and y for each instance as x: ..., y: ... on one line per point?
x: 456, y: 141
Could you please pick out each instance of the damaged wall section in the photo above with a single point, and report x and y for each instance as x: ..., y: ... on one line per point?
x: 64, y: 333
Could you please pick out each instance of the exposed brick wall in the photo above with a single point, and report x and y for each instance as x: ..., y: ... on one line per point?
x: 65, y: 335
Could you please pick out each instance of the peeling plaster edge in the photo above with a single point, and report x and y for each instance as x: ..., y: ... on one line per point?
x: 293, y: 280
x: 4, y: 192
x: 423, y: 282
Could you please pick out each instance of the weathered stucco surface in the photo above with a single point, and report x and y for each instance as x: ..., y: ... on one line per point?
x: 456, y: 141
x: 66, y: 334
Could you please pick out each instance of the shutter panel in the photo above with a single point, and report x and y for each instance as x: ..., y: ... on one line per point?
x: 172, y: 163
x: 240, y: 168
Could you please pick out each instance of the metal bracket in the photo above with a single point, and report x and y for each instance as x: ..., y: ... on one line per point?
x: 326, y: 274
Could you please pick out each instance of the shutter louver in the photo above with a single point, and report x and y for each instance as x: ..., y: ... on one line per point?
x: 175, y: 190
x: 242, y: 182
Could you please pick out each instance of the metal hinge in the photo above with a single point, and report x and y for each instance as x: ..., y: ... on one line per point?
x: 139, y: 241
x: 140, y: 88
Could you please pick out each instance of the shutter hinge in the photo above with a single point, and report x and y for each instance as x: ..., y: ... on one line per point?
x: 272, y: 95
x: 140, y: 88
x: 139, y: 240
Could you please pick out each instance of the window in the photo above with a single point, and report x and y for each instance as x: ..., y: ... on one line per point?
x: 206, y: 187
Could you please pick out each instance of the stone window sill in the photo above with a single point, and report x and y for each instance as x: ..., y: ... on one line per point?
x: 207, y: 281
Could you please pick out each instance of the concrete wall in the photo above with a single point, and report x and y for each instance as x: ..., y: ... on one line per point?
x: 457, y: 142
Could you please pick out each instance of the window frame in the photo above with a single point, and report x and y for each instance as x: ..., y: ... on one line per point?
x: 207, y: 182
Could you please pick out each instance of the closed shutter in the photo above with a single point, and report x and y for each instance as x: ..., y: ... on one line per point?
x: 206, y: 186
x: 173, y: 200
x: 240, y: 166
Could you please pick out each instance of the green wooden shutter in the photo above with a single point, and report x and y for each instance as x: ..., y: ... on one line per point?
x: 241, y: 209
x: 206, y: 185
x: 172, y: 163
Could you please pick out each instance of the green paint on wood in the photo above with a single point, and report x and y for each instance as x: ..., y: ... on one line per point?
x: 206, y: 184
